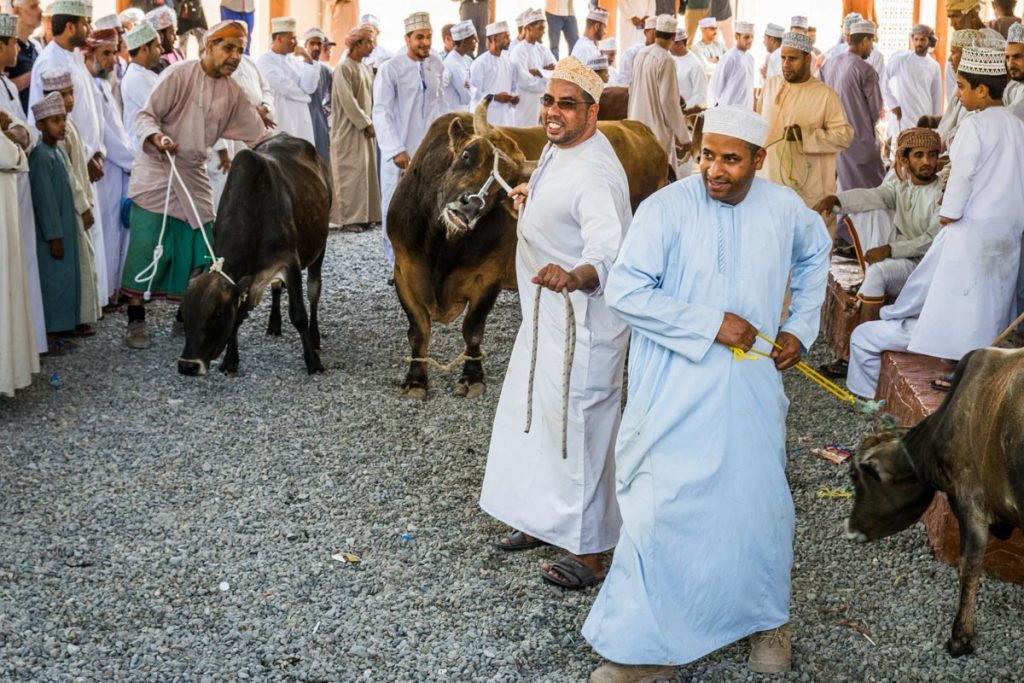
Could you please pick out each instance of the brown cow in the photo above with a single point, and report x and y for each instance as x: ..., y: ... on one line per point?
x: 455, y: 239
x: 972, y: 449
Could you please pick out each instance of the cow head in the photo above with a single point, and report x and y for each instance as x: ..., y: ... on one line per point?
x: 888, y: 494
x: 211, y: 309
x: 482, y: 159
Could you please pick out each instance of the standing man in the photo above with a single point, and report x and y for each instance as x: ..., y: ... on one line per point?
x: 806, y: 116
x: 628, y: 57
x: 30, y: 17
x: 912, y: 86
x: 707, y: 464
x: 139, y: 78
x: 165, y: 21
x: 293, y: 75
x: 708, y: 48
x: 239, y: 10
x: 531, y: 56
x: 856, y: 83
x: 561, y: 21
x: 455, y: 85
x: 194, y: 104
x: 586, y: 47
x: 493, y: 73
x: 406, y: 100
x: 380, y: 53
x: 772, y: 66
x: 632, y: 15
x: 575, y: 212
x: 1013, y: 96
x: 479, y: 13
x: 320, y: 99
x: 693, y: 87
x: 733, y: 82
x: 654, y: 93
x: 356, y: 203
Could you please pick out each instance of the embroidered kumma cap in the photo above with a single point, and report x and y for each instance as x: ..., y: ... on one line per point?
x: 983, y: 61
x: 55, y: 80
x: 736, y: 122
x: 497, y: 28
x: 418, y: 21
x: 144, y: 34
x: 799, y: 41
x: 51, y: 105
x: 666, y: 24
x: 574, y: 71
x: 463, y: 30
x: 774, y: 31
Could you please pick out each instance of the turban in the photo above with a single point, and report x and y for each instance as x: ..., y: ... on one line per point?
x: 51, y: 105
x: 964, y: 6
x: 574, y: 71
x: 227, y: 29
x: 681, y: 34
x: 313, y: 34
x: 163, y: 17
x: 364, y: 31
x: 101, y: 38
x: 913, y: 138
x: 736, y: 122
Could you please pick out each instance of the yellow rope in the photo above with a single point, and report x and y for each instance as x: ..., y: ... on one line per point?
x: 837, y: 492
x: 805, y: 369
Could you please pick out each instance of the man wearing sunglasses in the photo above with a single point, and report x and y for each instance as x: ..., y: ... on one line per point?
x: 574, y: 212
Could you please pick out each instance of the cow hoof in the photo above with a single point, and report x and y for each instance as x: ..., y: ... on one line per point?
x: 474, y: 390
x: 274, y: 332
x: 315, y: 368
x: 958, y: 647
x: 415, y: 393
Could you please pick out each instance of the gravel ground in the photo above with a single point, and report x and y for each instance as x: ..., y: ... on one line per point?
x: 161, y: 528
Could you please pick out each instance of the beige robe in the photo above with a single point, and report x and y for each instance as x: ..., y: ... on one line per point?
x: 81, y: 188
x: 654, y: 98
x: 808, y: 167
x: 344, y: 16
x: 19, y: 357
x: 353, y: 155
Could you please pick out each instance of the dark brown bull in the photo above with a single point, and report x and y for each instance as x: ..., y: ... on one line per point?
x: 272, y: 222
x: 972, y: 449
x: 455, y: 244
x: 614, y: 104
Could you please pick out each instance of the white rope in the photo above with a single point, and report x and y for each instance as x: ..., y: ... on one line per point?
x: 570, y: 343
x: 148, y: 274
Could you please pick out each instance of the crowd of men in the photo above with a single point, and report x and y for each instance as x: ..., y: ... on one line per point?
x: 115, y: 149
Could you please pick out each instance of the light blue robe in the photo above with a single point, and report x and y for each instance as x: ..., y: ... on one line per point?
x: 706, y: 547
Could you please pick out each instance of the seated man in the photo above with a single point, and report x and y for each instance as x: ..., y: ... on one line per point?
x: 915, y: 201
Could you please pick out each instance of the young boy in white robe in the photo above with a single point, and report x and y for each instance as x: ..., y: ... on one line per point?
x: 964, y: 292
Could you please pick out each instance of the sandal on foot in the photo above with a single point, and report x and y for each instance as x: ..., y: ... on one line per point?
x: 837, y: 369
x: 943, y: 384
x: 570, y: 573
x: 517, y: 540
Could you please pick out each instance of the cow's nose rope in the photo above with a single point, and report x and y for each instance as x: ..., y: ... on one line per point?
x: 148, y: 274
x: 569, y: 352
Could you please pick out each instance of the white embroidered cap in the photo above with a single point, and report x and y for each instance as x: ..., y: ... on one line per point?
x: 799, y: 22
x: 736, y: 122
x: 370, y: 20
x: 314, y: 33
x: 681, y: 34
x: 598, y: 15
x: 283, y: 25
x: 497, y: 28
x: 418, y: 21
x: 1015, y: 34
x: 109, y: 21
x: 71, y: 8
x: 55, y: 79
x: 162, y: 17
x: 708, y: 22
x: 608, y: 45
x: 463, y: 30
x: 132, y: 15
x: 598, y: 63
x: 983, y: 61
x: 8, y: 26
x: 51, y: 105
x: 744, y: 28
x: 534, y: 15
x: 651, y: 23
x: 667, y: 23
x: 521, y: 18
x: 574, y: 71
x: 774, y: 31
x: 851, y: 19
x: 863, y: 28
x: 799, y: 41
x: 142, y: 34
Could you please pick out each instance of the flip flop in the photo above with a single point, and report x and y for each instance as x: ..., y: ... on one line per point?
x: 837, y: 369
x: 517, y: 541
x: 571, y: 574
x: 943, y: 384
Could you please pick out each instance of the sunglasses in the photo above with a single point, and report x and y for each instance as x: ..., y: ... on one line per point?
x: 565, y: 104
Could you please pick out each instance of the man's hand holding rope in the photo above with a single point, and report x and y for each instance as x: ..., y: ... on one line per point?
x: 163, y: 143
x: 790, y: 353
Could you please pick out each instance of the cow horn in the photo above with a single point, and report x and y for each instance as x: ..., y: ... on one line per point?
x: 480, y: 124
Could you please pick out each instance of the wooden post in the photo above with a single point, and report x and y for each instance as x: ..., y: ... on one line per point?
x: 278, y: 8
x: 942, y: 40
x: 492, y: 11
x: 122, y: 5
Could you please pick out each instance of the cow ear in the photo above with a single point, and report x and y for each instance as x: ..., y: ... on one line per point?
x: 241, y: 289
x: 458, y: 135
x: 888, y: 465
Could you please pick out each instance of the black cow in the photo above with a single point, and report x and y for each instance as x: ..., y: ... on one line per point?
x: 271, y: 223
x: 972, y: 449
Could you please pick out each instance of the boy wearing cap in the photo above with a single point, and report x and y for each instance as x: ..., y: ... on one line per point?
x: 654, y: 93
x: 140, y: 77
x: 701, y: 452
x: 293, y: 76
x: 971, y: 272
x: 406, y: 100
x: 56, y: 223
x: 493, y: 73
x: 733, y: 82
x: 586, y: 47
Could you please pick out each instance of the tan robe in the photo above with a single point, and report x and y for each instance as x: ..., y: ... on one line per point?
x: 195, y: 110
x: 654, y: 98
x: 808, y: 167
x: 81, y: 188
x: 353, y: 155
x: 344, y: 16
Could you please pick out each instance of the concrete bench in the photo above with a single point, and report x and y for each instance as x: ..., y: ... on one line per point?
x: 905, y: 384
